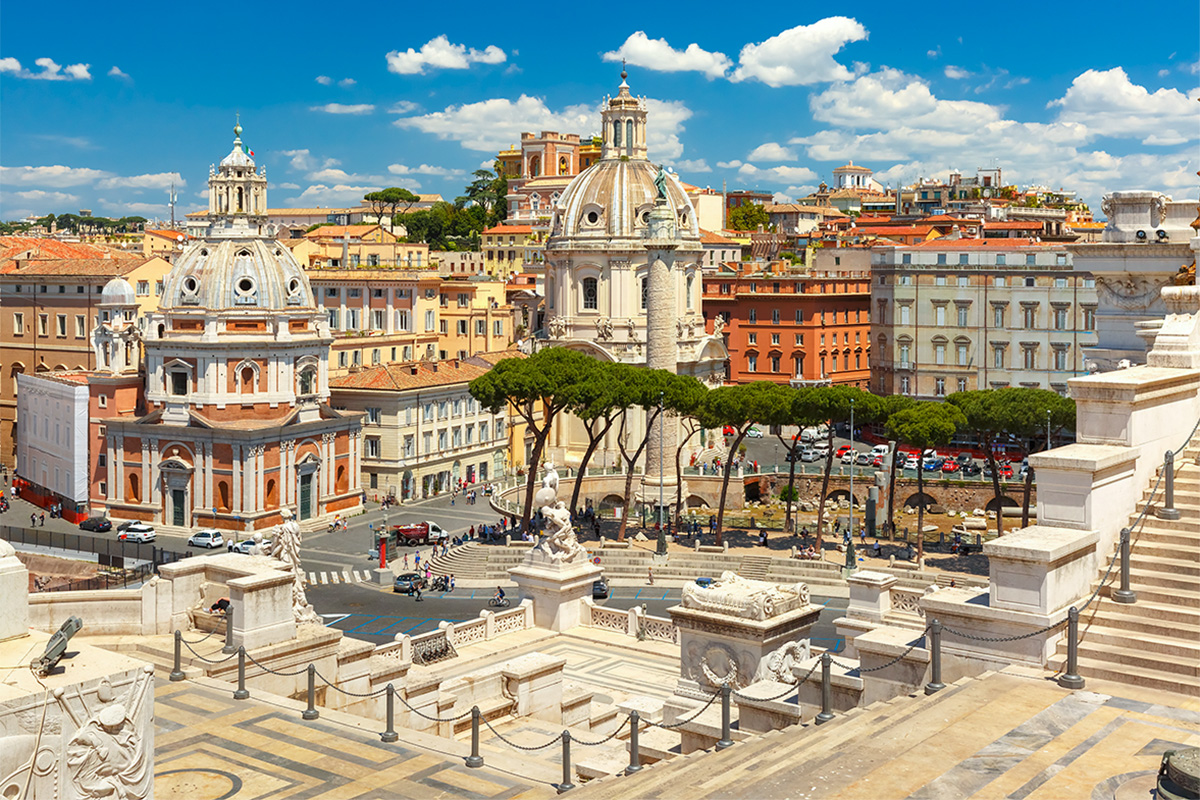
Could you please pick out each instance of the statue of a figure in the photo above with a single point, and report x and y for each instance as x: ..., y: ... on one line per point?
x: 286, y: 547
x: 107, y: 755
x: 560, y: 544
x: 546, y: 495
x: 718, y: 325
x: 660, y: 183
x: 777, y: 666
x: 604, y: 328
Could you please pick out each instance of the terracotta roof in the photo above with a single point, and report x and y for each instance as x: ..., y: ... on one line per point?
x: 509, y: 229
x: 708, y: 237
x: 338, y: 231
x: 852, y: 167
x: 401, y: 377
x: 894, y: 230
x: 1012, y: 226
x: 496, y: 356
x: 11, y: 246
x: 978, y: 244
x: 784, y: 208
x: 74, y: 377
x: 174, y: 236
x: 397, y: 274
x: 74, y: 267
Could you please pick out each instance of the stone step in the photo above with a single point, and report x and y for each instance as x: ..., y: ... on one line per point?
x: 1153, y: 594
x: 491, y: 709
x: 1154, y: 555
x: 1183, y: 685
x: 1159, y: 579
x: 656, y: 744
x: 1149, y: 618
x: 1173, y: 646
x: 1172, y: 533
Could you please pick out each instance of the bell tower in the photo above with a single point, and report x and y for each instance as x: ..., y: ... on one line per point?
x: 235, y: 189
x: 624, y: 121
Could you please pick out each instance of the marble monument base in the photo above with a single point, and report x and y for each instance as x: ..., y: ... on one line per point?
x: 556, y: 588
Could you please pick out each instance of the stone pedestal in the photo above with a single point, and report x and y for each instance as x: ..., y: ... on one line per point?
x: 14, y: 594
x: 1041, y: 570
x: 383, y: 576
x: 557, y: 589
x: 757, y: 715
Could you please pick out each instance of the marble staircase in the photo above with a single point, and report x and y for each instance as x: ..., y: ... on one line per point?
x: 1154, y: 642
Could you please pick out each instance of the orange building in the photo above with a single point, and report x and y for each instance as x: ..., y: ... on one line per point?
x: 803, y: 326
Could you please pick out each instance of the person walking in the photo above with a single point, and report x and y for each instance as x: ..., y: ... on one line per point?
x: 417, y: 590
x: 451, y: 582
x: 417, y: 560
x: 406, y: 562
x: 471, y: 533
x: 43, y: 518
x: 650, y: 575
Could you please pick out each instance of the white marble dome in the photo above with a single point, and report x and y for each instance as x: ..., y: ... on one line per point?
x: 612, y: 199
x: 249, y: 274
x: 118, y: 292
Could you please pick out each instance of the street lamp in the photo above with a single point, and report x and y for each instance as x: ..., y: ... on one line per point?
x: 662, y: 531
x: 853, y: 464
x: 1047, y: 429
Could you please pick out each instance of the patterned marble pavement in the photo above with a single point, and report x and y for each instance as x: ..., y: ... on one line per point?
x: 210, y: 747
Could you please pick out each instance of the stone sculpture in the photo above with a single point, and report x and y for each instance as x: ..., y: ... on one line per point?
x: 660, y: 183
x: 604, y: 329
x: 718, y: 325
x: 560, y: 545
x: 735, y: 596
x: 286, y: 547
x: 557, y: 327
x: 777, y: 666
x: 107, y: 757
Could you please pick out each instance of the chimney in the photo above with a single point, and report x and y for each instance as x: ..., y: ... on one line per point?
x: 416, y: 369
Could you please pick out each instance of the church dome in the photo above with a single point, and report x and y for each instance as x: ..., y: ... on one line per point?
x: 118, y: 292
x: 612, y: 199
x: 237, y: 156
x: 250, y: 274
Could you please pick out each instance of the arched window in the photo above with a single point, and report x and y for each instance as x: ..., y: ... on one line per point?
x: 535, y: 165
x: 272, y: 494
x: 223, y: 495
x: 589, y: 293
x: 563, y: 165
x: 645, y: 291
x: 691, y: 280
x: 247, y: 380
x: 308, y: 381
x: 629, y: 132
x: 340, y: 483
x: 617, y: 132
x: 135, y: 485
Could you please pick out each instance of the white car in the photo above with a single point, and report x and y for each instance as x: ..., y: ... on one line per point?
x: 244, y: 546
x: 753, y: 433
x: 208, y: 537
x: 911, y: 462
x: 849, y: 456
x: 822, y: 448
x: 138, y: 533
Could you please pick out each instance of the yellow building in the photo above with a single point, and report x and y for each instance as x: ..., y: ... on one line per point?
x: 163, y: 243
x: 510, y: 248
x: 353, y: 246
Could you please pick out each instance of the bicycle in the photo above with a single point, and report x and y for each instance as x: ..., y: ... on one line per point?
x: 500, y: 602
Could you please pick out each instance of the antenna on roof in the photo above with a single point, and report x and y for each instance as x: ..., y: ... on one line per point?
x: 171, y: 202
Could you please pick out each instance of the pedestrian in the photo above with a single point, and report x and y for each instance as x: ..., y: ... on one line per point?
x: 33, y: 520
x: 406, y: 562
x: 650, y: 575
x: 452, y: 582
x: 417, y: 590
x: 43, y: 519
x: 417, y: 559
x: 471, y: 534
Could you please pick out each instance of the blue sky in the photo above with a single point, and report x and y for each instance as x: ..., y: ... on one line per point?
x: 102, y: 108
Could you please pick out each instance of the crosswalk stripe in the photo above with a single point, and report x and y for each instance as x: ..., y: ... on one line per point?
x: 360, y: 577
x: 334, y: 578
x: 324, y: 577
x: 346, y: 577
x: 312, y: 577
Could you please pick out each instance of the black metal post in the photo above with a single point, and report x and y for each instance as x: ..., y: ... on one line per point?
x: 177, y: 672
x: 935, y: 656
x: 474, y: 760
x: 228, y: 648
x: 635, y: 755
x: 725, y: 740
x: 566, y: 784
x: 241, y: 693
x: 1168, y: 511
x: 826, y: 690
x: 1070, y: 679
x: 390, y: 734
x: 311, y: 712
x: 1124, y: 594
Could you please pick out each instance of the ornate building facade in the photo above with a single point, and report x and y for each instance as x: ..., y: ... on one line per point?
x: 236, y: 421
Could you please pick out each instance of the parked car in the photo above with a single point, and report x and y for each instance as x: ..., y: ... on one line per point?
x: 911, y: 461
x: 96, y: 524
x: 408, y: 582
x: 949, y: 467
x: 971, y: 470
x: 822, y: 448
x: 809, y: 435
x: 964, y: 458
x: 877, y: 461
x: 137, y: 532
x: 863, y: 459
x: 208, y: 537
x: 933, y: 464
x: 728, y: 430
x: 848, y: 456
x: 704, y: 583
x: 808, y: 454
x: 841, y: 451
x: 754, y: 433
x: 880, y: 450
x: 124, y: 526
x: 599, y: 589
x: 244, y: 546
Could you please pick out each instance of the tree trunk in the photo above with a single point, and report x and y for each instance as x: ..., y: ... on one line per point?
x: 1025, y: 503
x: 825, y: 490
x: 679, y: 469
x: 725, y: 486
x: 921, y: 512
x: 891, y: 513
x: 593, y: 444
x: 629, y: 462
x: 991, y: 457
x: 539, y: 443
x: 789, y: 450
x: 625, y: 509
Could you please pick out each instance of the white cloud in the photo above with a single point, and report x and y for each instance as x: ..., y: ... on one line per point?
x: 777, y: 174
x: 487, y: 163
x: 771, y: 151
x: 662, y: 137
x: 80, y: 142
x: 800, y: 56
x: 642, y: 51
x: 803, y: 190
x: 693, y: 165
x: 890, y: 98
x: 44, y: 197
x: 423, y: 169
x: 934, y: 53
x: 339, y: 108
x: 336, y: 195
x: 956, y: 73
x: 403, y: 107
x: 346, y: 83
x: 288, y: 186
x: 54, y: 176
x: 781, y: 197
x: 1109, y: 104
x: 159, y: 180
x: 729, y: 164
x: 324, y: 80
x: 1162, y: 73
x: 143, y: 209
x: 440, y: 53
x: 51, y: 70
x: 301, y: 159
x: 117, y: 72
x: 332, y: 175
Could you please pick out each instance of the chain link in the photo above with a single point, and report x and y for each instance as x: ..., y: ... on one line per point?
x: 974, y: 638
x: 276, y: 672
x: 197, y: 641
x: 422, y: 714
x: 605, y: 740
x: 347, y: 692
x: 895, y: 660
x: 507, y: 741
x: 208, y: 660
x: 671, y: 726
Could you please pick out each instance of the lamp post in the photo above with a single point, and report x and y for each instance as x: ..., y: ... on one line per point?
x: 853, y: 464
x: 662, y: 531
x: 1047, y: 429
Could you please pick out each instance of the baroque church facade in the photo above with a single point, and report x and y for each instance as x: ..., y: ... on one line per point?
x: 235, y: 422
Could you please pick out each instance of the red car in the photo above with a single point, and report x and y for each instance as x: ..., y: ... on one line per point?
x: 728, y: 430
x: 841, y: 451
x: 949, y: 466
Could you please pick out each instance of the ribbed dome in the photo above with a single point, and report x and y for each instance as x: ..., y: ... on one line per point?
x: 246, y: 273
x: 611, y: 199
x: 118, y: 292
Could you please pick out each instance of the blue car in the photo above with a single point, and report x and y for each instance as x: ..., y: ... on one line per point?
x: 704, y: 583
x: 933, y: 464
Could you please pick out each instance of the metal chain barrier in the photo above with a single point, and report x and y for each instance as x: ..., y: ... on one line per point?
x: 794, y: 688
x: 895, y: 660
x: 556, y: 739
x: 347, y: 692
x: 974, y: 638
x: 671, y: 726
x: 1188, y: 441
x: 605, y: 740
x: 198, y: 641
x: 423, y: 715
x: 260, y: 665
x: 208, y: 660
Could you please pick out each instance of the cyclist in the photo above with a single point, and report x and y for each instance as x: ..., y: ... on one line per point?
x: 499, y: 596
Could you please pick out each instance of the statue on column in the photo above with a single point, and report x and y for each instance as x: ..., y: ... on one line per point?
x: 285, y: 546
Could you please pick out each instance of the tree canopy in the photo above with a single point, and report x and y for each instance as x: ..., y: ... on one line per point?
x: 385, y: 202
x: 748, y: 217
x: 925, y: 425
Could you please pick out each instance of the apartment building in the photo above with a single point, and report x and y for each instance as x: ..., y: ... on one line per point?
x: 512, y: 248
x: 423, y: 432
x: 798, y: 325
x: 474, y: 317
x: 48, y: 310
x: 959, y: 314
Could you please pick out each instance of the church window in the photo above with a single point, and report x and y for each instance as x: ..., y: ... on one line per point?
x: 645, y: 291
x: 617, y: 132
x: 247, y: 380
x: 179, y: 383
x: 308, y: 380
x: 563, y: 166
x: 589, y: 293
x: 629, y: 132
x: 691, y: 280
x: 593, y: 217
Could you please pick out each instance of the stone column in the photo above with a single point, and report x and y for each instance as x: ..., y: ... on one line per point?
x: 237, y: 478
x: 662, y: 348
